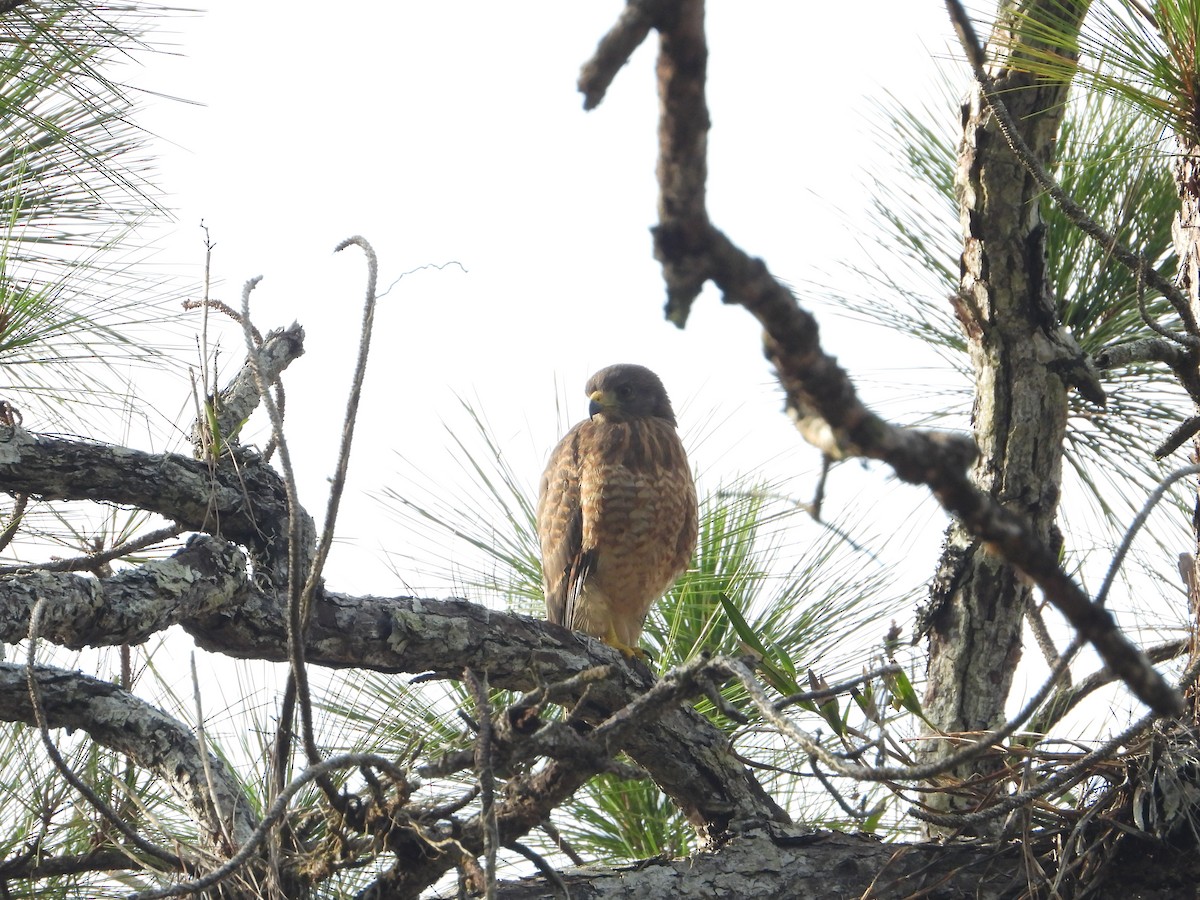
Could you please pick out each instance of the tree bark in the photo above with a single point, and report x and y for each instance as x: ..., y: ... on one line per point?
x: 777, y: 863
x: 155, y: 741
x: 1186, y: 233
x: 1011, y: 323
x: 206, y: 588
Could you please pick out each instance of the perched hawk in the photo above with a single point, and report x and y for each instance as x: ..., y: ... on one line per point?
x: 617, y: 510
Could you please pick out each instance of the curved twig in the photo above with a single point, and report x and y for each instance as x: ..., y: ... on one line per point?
x: 271, y: 819
x: 296, y: 615
x: 96, y: 802
x: 338, y: 483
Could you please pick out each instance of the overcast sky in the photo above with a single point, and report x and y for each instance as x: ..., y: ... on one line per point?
x: 453, y: 132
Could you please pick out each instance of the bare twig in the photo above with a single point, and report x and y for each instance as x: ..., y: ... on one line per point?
x: 840, y: 688
x: 548, y: 871
x: 86, y: 563
x: 1180, y: 435
x: 39, y: 716
x: 225, y: 308
x: 1069, y: 696
x: 296, y: 614
x: 1152, y: 324
x: 14, y: 520
x: 272, y: 817
x: 562, y: 843
x: 485, y: 769
x: 1041, y: 635
x: 202, y: 742
x: 338, y: 483
x: 1136, y: 525
x: 857, y: 815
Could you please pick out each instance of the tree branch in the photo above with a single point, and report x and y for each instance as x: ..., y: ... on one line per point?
x: 116, y: 719
x: 240, y: 397
x: 615, y: 48
x: 820, y: 395
x: 1142, y: 350
x: 244, y: 502
x: 441, y: 638
x: 129, y: 607
x: 791, y: 863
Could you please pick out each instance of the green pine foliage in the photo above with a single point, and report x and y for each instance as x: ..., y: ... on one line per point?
x: 1113, y: 159
x: 765, y: 581
x: 74, y: 182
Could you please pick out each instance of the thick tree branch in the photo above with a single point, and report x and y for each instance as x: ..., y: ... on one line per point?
x: 243, y: 501
x: 116, y: 719
x: 689, y: 758
x: 129, y: 607
x: 781, y: 862
x: 35, y: 865
x: 206, y: 588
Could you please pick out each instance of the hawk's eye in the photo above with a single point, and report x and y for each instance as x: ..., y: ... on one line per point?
x: 624, y: 392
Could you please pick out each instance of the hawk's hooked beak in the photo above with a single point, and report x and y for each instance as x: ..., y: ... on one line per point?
x: 602, y: 401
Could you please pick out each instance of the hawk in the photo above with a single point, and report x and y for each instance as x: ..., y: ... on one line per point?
x: 616, y: 513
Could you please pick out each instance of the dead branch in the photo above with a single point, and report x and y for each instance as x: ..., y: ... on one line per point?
x: 819, y: 392
x: 240, y: 398
x: 616, y: 47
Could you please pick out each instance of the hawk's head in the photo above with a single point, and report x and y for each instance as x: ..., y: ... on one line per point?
x: 623, y: 392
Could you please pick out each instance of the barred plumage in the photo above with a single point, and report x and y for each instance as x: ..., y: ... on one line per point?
x: 617, y: 514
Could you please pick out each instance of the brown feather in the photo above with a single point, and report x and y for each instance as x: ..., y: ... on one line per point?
x: 617, y: 516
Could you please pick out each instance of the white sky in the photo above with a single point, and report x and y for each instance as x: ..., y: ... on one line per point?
x: 454, y: 132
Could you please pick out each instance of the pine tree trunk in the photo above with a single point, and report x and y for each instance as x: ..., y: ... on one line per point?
x: 1011, y: 324
x: 1186, y: 233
